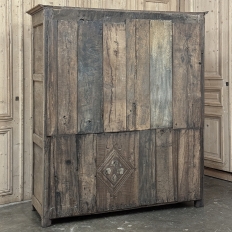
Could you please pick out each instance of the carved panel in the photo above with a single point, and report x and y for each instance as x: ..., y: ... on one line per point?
x: 6, y: 161
x: 117, y: 170
x: 114, y: 171
x: 5, y: 62
x: 213, y: 143
x: 213, y: 96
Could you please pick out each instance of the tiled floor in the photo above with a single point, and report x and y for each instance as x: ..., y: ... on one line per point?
x: 215, y: 216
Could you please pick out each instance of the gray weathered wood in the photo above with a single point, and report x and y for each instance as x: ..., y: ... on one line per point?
x: 161, y: 73
x: 188, y: 164
x: 147, y: 172
x: 94, y: 68
x: 117, y: 171
x: 187, y: 105
x: 38, y: 62
x: 114, y: 76
x: 38, y: 159
x: 142, y: 90
x: 67, y: 77
x: 52, y: 81
x: 90, y: 85
x: 131, y: 75
x: 38, y: 108
x: 86, y: 153
x: 64, y: 181
x: 166, y: 176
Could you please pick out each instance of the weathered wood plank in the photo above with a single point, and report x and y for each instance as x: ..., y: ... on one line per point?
x: 67, y: 77
x: 142, y: 90
x: 188, y: 165
x: 86, y: 152
x: 64, y: 178
x: 195, y: 79
x: 147, y: 172
x: 38, y: 51
x: 52, y: 81
x: 161, y: 73
x: 90, y: 86
x: 114, y: 76
x: 38, y: 159
x: 38, y: 117
x: 187, y: 106
x: 131, y: 74
x: 166, y: 176
x: 117, y: 171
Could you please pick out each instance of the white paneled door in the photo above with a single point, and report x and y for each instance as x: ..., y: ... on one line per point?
x: 15, y: 86
x: 217, y: 80
x: 11, y: 102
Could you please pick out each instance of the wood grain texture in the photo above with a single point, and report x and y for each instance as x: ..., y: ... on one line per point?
x: 117, y: 171
x: 166, y: 170
x: 38, y: 159
x: 86, y: 153
x: 114, y: 76
x: 52, y: 81
x: 189, y: 158
x: 147, y: 172
x: 67, y: 77
x: 138, y: 92
x: 38, y: 51
x: 38, y: 108
x: 161, y: 73
x: 142, y: 91
x: 64, y: 177
x: 187, y: 81
x: 90, y: 86
x: 131, y: 75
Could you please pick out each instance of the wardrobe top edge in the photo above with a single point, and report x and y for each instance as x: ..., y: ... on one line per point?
x: 41, y: 7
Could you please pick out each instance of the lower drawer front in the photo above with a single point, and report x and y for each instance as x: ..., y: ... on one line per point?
x: 114, y: 171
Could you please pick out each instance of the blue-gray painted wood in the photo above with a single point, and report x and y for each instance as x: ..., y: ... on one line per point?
x: 90, y: 90
x: 161, y: 73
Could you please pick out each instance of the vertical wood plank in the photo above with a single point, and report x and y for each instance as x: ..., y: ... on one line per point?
x: 117, y: 171
x: 142, y: 91
x: 189, y: 165
x: 38, y: 108
x: 38, y: 61
x: 131, y: 74
x: 166, y: 175
x: 38, y: 159
x: 147, y: 172
x: 86, y: 148
x: 138, y: 83
x: 186, y: 76
x: 161, y: 73
x: 52, y: 81
x: 67, y: 77
x: 90, y: 86
x: 65, y: 176
x: 114, y: 76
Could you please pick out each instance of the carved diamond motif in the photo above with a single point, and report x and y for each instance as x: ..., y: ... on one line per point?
x: 114, y: 171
